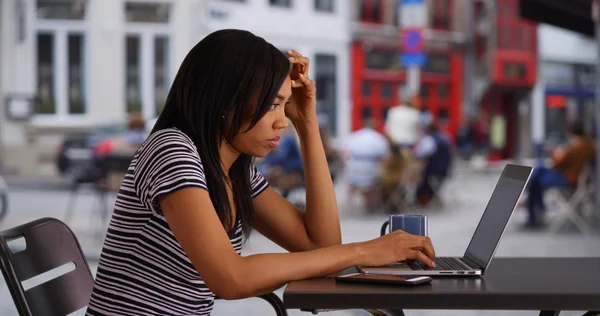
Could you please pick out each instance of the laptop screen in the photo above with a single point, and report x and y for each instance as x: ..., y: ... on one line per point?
x: 497, y: 214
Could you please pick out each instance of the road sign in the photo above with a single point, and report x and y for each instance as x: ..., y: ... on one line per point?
x: 411, y: 60
x: 412, y: 40
x: 412, y: 13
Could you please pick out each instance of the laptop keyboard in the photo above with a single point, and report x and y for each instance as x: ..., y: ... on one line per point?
x: 441, y: 263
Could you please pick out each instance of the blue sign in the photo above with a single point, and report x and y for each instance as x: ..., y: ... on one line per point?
x: 413, y: 60
x: 405, y: 2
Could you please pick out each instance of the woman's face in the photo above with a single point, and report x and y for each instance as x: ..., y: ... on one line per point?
x: 264, y: 136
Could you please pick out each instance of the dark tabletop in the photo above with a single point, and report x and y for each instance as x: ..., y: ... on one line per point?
x: 508, y: 284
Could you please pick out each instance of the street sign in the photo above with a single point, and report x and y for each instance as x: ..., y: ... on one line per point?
x: 412, y: 40
x: 412, y: 13
x: 413, y: 60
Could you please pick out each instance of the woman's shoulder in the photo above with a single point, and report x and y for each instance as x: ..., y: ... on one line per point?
x: 167, y: 142
x: 169, y: 135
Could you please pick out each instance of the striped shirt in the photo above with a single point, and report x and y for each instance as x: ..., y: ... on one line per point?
x: 143, y: 270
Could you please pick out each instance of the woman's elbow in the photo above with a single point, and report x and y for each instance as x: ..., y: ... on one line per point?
x: 231, y: 290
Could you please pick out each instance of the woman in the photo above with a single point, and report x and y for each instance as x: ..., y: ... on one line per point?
x: 191, y: 192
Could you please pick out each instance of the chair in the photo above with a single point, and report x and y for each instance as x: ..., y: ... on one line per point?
x: 103, y: 177
x: 571, y: 202
x: 51, y: 244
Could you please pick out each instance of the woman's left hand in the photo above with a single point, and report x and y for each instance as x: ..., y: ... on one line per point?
x: 303, y: 106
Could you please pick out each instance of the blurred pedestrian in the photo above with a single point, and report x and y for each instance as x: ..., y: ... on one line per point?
x: 564, y: 173
x: 436, y: 152
x: 402, y: 123
x: 365, y: 151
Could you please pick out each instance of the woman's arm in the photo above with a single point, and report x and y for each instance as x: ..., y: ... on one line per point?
x: 321, y: 219
x: 196, y: 226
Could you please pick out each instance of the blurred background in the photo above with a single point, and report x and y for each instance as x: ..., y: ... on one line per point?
x: 421, y: 104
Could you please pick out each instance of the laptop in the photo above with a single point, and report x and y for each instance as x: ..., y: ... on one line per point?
x: 486, y: 238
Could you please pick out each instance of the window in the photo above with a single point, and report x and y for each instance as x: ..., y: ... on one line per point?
x: 76, y: 74
x: 437, y: 64
x: 324, y: 5
x: 440, y: 14
x: 281, y: 3
x: 442, y: 91
x: 370, y: 11
x: 132, y: 74
x: 443, y: 114
x: 61, y: 73
x: 147, y: 78
x: 386, y: 90
x: 367, y: 112
x: 45, y: 74
x: 424, y: 93
x: 326, y: 82
x: 147, y: 12
x: 384, y: 113
x: 60, y: 9
x: 161, y: 73
x: 556, y: 74
x: 382, y: 59
x: 514, y: 70
x: 366, y: 89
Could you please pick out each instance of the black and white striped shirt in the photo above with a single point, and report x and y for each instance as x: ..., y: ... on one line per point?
x: 143, y: 270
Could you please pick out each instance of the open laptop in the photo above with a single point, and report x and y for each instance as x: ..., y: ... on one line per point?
x: 486, y: 238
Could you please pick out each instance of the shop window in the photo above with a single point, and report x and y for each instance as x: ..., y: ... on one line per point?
x: 514, y: 70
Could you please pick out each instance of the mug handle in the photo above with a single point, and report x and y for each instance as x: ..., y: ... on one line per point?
x: 384, y: 228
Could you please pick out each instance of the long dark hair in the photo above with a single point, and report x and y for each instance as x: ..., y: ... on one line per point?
x: 211, y: 98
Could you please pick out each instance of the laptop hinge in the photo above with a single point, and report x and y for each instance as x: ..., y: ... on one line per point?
x: 472, y: 263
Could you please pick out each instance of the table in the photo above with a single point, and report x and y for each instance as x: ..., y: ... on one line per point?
x: 545, y: 284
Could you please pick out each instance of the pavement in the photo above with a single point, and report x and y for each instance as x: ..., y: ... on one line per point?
x: 451, y: 226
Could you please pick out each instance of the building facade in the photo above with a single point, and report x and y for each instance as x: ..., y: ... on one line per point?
x: 86, y: 63
x: 565, y: 91
x: 378, y: 77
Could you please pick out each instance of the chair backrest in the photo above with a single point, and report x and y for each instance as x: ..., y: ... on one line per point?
x: 50, y: 244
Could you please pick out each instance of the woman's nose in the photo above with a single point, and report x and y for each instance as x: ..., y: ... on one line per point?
x: 281, y: 122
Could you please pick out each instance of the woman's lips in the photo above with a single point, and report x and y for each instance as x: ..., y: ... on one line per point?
x: 273, y: 142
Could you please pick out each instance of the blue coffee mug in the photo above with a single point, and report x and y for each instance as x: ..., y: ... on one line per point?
x: 412, y: 224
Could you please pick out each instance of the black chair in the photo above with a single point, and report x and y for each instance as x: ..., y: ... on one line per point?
x: 95, y: 174
x: 51, y: 244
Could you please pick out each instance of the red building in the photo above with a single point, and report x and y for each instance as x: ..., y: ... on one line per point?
x: 507, y: 56
x: 506, y: 62
x: 378, y: 76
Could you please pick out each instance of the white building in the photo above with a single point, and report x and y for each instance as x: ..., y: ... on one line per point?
x: 565, y: 86
x: 90, y: 62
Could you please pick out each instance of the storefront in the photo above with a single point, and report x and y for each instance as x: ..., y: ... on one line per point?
x: 569, y: 96
x: 378, y: 79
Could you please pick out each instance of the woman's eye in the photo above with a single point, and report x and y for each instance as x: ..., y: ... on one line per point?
x: 274, y: 106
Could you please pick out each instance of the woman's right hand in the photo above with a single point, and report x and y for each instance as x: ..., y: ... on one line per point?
x: 397, y: 246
